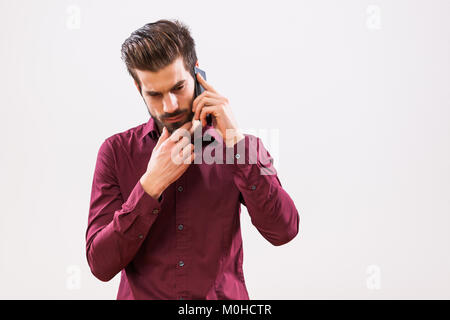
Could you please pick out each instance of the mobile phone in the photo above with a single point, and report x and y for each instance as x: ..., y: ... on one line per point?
x: 199, y: 89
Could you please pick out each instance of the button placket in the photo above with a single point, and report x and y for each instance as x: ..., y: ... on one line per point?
x: 182, y: 262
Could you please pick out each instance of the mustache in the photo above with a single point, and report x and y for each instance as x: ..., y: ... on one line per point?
x: 166, y: 116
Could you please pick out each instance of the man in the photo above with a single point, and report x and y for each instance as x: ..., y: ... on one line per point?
x: 166, y: 220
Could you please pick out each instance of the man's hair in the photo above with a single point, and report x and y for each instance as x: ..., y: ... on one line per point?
x: 158, y: 44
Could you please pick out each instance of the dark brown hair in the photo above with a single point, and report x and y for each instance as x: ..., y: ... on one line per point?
x: 158, y: 44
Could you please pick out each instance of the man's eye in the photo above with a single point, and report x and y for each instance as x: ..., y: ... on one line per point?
x: 157, y: 94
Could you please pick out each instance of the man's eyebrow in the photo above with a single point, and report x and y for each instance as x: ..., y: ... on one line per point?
x: 176, y: 85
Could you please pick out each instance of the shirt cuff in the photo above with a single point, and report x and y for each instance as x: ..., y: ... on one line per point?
x: 140, y: 210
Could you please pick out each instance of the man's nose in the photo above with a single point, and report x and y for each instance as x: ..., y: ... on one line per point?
x: 170, y: 103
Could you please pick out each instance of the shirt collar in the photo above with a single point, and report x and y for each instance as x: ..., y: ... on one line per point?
x: 151, y: 129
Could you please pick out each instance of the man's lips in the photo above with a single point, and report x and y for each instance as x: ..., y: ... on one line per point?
x: 176, y: 118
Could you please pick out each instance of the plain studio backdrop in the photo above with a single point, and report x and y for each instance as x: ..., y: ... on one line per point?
x: 352, y: 98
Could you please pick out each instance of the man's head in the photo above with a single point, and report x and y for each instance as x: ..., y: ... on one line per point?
x: 161, y: 57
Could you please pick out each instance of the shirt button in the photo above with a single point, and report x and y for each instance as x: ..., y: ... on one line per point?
x: 237, y: 156
x: 253, y: 187
x: 181, y: 263
x: 180, y: 227
x: 180, y: 188
x: 141, y: 236
x: 155, y: 211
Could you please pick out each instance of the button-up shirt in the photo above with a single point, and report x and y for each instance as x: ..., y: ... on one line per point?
x: 187, y: 244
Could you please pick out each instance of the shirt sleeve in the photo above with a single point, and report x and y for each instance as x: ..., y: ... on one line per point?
x: 116, y: 228
x: 271, y: 209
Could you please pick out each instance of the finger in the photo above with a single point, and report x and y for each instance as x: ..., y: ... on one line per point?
x: 205, y: 84
x: 163, y: 137
x: 201, y: 96
x: 205, y: 101
x: 205, y: 112
x: 195, y: 125
x: 197, y: 99
x: 187, y: 153
x: 181, y: 131
x: 186, y: 162
x: 190, y: 158
x: 177, y: 149
x: 179, y: 153
x: 184, y: 141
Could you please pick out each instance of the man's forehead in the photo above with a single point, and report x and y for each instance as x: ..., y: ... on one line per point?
x: 165, y: 78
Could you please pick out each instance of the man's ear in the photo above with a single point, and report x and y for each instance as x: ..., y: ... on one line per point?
x: 196, y: 64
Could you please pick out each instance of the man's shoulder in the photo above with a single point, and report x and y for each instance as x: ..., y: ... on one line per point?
x: 124, y: 138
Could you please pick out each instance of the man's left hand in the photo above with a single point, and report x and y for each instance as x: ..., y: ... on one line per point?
x: 211, y: 102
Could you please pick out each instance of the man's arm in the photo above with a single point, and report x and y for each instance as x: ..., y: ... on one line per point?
x: 116, y: 226
x: 271, y: 209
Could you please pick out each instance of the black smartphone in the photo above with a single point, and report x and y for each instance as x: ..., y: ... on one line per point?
x: 199, y: 89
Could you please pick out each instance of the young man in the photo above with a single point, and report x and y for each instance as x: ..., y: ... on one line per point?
x: 161, y: 212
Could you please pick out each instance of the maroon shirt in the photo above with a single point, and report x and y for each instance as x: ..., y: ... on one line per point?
x: 187, y: 244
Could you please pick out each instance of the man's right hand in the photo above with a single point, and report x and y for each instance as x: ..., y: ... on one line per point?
x: 170, y: 158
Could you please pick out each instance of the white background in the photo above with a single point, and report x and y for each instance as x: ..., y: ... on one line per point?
x: 357, y: 90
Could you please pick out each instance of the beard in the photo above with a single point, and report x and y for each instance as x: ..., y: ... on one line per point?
x: 188, y: 115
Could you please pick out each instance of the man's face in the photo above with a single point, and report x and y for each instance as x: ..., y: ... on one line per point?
x: 168, y: 93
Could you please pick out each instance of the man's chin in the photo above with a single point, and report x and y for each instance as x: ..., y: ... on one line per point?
x: 172, y: 126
